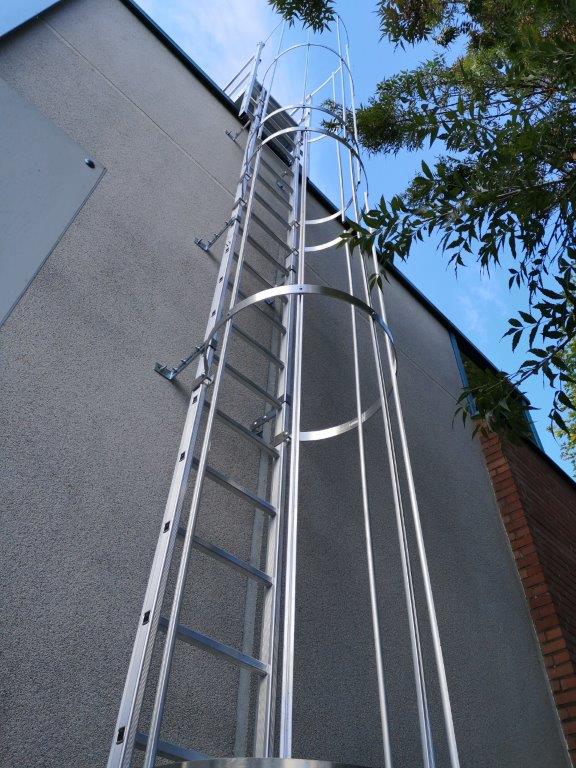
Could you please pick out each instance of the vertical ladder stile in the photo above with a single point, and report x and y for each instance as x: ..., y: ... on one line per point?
x: 264, y: 718
x: 251, y: 82
x: 265, y: 715
x: 286, y: 696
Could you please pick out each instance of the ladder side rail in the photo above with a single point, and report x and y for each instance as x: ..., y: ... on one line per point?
x: 414, y: 507
x: 375, y: 612
x: 289, y: 617
x: 171, y: 631
x: 265, y: 707
x: 252, y: 81
x: 273, y: 539
x: 291, y: 522
x: 127, y: 721
x: 412, y: 614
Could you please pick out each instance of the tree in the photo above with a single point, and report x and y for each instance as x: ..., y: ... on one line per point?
x: 502, y: 192
x: 568, y: 437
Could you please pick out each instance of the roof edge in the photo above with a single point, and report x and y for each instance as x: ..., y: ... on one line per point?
x: 181, y: 55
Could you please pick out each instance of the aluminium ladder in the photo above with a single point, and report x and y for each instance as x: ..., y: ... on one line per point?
x: 262, y: 275
x: 259, y: 177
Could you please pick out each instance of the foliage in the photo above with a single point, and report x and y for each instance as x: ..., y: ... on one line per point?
x: 500, y: 102
x: 316, y: 14
x: 502, y: 406
x: 568, y: 436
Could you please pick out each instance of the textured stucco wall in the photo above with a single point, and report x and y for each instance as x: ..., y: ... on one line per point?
x: 90, y: 433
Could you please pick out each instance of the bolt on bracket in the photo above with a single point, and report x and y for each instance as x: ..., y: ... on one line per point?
x: 216, y: 236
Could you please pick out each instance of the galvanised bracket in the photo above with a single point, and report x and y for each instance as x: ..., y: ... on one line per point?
x: 172, y: 373
x: 281, y: 437
x: 216, y: 236
x: 258, y: 425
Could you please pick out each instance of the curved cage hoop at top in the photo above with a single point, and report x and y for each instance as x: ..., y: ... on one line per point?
x: 298, y: 46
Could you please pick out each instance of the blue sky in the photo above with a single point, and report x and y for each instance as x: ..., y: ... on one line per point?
x: 220, y: 35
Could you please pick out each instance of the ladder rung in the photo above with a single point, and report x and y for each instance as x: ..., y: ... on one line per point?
x: 263, y: 252
x: 275, y: 190
x: 256, y: 388
x: 273, y: 170
x: 271, y: 316
x: 167, y: 749
x: 244, y: 431
x: 236, y: 488
x: 214, y: 646
x: 270, y: 232
x: 265, y: 204
x: 254, y: 272
x: 260, y: 347
x: 249, y: 268
x: 218, y: 553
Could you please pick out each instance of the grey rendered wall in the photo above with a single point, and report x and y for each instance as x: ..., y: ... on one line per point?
x: 90, y: 435
x: 89, y: 431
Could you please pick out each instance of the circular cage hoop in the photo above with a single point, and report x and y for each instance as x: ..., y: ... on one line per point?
x: 295, y: 107
x: 309, y: 289
x: 305, y: 45
x: 310, y: 129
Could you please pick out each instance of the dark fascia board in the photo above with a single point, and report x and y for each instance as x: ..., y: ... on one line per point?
x: 466, y: 346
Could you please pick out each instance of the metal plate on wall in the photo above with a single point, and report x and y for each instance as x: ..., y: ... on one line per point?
x: 45, y: 178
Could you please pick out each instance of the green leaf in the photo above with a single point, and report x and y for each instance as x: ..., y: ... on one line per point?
x: 564, y: 400
x: 427, y: 170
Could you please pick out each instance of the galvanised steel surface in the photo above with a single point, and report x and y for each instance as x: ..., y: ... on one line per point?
x: 291, y: 134
x: 262, y: 762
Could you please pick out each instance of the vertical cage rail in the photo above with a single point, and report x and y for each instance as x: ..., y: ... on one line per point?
x: 265, y: 717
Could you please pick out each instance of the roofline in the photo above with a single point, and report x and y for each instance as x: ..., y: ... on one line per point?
x: 182, y: 56
x: 465, y: 344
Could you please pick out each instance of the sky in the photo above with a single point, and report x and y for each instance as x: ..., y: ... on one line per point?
x: 221, y: 35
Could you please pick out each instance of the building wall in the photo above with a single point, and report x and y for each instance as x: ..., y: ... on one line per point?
x: 539, y: 512
x: 90, y: 434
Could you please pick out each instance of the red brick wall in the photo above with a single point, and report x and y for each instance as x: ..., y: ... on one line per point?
x: 538, y: 507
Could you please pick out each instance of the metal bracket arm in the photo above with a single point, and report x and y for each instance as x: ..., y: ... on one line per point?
x: 258, y: 425
x: 216, y: 236
x: 172, y: 373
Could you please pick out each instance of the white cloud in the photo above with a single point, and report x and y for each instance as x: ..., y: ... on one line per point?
x: 220, y: 35
x: 483, y: 306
